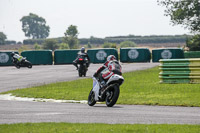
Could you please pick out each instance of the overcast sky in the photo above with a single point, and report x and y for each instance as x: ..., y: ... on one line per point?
x: 98, y: 18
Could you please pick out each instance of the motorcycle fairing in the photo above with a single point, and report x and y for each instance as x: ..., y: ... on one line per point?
x: 115, y: 77
x: 96, y: 89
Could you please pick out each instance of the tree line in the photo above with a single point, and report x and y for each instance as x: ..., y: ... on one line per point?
x: 118, y: 40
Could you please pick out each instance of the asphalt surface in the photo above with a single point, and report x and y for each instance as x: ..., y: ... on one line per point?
x: 20, y: 112
x: 12, y: 78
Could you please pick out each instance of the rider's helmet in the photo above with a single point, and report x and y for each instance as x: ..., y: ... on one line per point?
x: 82, y: 50
x: 12, y: 54
x: 111, y: 57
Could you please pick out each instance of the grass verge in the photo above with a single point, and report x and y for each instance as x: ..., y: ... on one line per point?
x: 96, y: 128
x: 140, y: 87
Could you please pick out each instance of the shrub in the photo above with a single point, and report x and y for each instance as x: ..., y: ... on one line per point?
x: 193, y: 43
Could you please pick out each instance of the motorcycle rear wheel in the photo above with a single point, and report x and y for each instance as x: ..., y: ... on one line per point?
x: 91, y: 100
x: 112, y: 95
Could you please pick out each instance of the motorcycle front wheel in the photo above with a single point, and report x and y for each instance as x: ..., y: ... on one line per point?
x: 28, y: 64
x: 112, y: 95
x: 91, y: 100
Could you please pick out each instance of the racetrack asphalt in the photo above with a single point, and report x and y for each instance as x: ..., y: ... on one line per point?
x: 21, y: 112
x: 12, y: 78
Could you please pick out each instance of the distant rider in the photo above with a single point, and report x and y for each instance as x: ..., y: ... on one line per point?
x: 110, y: 67
x: 83, y: 55
x: 16, y: 58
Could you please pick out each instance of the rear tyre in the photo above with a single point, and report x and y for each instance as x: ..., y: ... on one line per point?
x: 84, y: 72
x: 91, y: 100
x: 80, y: 69
x: 80, y: 75
x: 112, y: 95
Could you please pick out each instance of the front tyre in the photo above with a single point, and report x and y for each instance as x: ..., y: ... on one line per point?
x: 17, y: 66
x: 91, y: 100
x: 112, y: 95
x: 28, y: 64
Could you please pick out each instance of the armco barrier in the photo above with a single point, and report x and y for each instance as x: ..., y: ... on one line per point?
x: 135, y: 55
x: 65, y: 56
x: 100, y: 55
x: 40, y: 57
x: 179, y: 70
x: 170, y: 53
x: 5, y: 58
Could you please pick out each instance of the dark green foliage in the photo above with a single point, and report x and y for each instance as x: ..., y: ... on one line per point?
x: 37, y: 46
x: 71, y: 37
x: 119, y: 39
x: 127, y: 44
x: 34, y: 26
x: 63, y: 46
x: 33, y: 41
x: 109, y: 45
x: 51, y: 44
x: 136, y: 39
x: 183, y: 12
x: 19, y: 42
x: 3, y: 37
x: 89, y: 45
x: 7, y: 42
x: 194, y: 43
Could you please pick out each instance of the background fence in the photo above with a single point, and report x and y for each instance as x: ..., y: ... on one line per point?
x: 100, y: 55
x: 129, y: 55
x: 40, y: 57
x: 173, y: 53
x: 65, y: 56
x: 135, y: 55
x: 5, y: 58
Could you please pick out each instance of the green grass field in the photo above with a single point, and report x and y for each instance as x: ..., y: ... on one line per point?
x: 96, y: 128
x: 140, y: 87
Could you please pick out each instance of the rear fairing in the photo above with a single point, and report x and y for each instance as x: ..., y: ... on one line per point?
x: 115, y: 79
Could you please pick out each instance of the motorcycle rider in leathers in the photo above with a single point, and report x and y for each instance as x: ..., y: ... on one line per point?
x: 16, y: 58
x: 110, y: 67
x: 83, y: 55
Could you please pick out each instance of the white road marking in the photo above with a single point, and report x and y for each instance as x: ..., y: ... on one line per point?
x: 14, y: 98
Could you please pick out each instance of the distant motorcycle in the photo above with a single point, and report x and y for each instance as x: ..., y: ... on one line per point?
x: 110, y: 93
x: 23, y: 63
x: 82, y: 66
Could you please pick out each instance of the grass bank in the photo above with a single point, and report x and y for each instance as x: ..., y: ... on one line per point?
x: 96, y: 128
x: 140, y: 87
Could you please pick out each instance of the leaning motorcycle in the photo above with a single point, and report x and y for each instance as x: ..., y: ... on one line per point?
x: 23, y: 63
x: 82, y: 67
x: 109, y: 94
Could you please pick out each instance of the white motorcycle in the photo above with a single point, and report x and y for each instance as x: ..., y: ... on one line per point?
x: 110, y: 93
